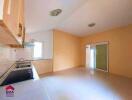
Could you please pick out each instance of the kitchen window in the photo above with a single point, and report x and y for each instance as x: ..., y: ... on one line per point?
x: 38, y: 47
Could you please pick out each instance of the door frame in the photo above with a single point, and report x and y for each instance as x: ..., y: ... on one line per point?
x: 101, y: 43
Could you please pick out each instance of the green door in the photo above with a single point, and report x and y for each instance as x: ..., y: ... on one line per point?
x: 101, y: 57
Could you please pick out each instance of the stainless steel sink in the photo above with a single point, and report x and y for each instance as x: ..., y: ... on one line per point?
x: 18, y: 76
x: 23, y: 64
x: 22, y: 71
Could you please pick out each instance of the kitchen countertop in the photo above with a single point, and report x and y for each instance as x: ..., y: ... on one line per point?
x: 5, y: 65
x: 12, y: 68
x: 26, y: 90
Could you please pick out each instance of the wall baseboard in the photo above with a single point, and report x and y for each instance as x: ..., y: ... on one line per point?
x: 67, y: 68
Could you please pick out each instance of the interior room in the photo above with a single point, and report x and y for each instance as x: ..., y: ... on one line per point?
x: 65, y: 50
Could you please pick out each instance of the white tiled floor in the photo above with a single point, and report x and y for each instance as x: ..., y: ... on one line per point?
x: 76, y: 84
x: 28, y: 90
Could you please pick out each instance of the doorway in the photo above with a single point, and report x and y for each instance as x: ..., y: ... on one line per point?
x: 97, y: 56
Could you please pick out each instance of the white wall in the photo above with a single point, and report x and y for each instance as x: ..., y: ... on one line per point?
x: 6, y: 59
x: 27, y: 53
x: 9, y: 55
x: 47, y: 39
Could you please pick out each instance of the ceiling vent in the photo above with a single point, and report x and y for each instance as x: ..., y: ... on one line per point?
x: 55, y: 12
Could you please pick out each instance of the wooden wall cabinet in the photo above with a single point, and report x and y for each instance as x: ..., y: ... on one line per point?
x: 13, y: 21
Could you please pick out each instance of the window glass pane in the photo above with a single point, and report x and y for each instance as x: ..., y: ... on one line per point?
x: 37, y: 50
x: 101, y: 56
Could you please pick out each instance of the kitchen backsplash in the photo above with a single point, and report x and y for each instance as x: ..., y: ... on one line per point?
x: 13, y: 54
x: 9, y: 55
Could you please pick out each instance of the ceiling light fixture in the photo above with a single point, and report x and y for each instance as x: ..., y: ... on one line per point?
x: 55, y: 12
x: 91, y: 24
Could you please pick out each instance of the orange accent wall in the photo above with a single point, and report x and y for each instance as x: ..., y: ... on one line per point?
x: 67, y: 51
x: 120, y: 49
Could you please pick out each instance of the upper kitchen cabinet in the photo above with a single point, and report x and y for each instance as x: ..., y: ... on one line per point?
x: 12, y: 22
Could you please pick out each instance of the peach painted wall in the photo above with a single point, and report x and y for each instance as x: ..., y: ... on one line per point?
x: 67, y: 51
x: 120, y: 49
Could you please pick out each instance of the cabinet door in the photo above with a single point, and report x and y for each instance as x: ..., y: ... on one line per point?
x: 13, y: 17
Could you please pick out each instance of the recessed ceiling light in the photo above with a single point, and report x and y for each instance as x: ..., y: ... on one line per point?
x: 55, y: 12
x: 91, y: 24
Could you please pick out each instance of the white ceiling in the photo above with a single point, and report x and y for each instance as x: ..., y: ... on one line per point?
x: 37, y: 13
x: 77, y: 14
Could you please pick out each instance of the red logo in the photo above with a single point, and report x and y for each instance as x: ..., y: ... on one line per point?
x: 9, y: 91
